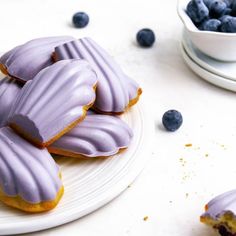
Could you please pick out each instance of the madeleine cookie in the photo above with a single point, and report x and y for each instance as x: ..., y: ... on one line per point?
x: 29, y: 177
x: 221, y: 213
x: 25, y: 61
x: 95, y: 136
x: 9, y: 89
x: 54, y: 102
x: 116, y: 91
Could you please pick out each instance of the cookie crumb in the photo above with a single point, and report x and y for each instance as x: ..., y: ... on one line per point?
x: 188, y: 145
x: 145, y: 218
x: 206, y: 155
x: 186, y: 195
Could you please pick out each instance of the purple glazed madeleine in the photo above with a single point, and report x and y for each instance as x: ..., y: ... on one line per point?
x: 95, y: 136
x: 54, y: 102
x: 25, y: 61
x: 221, y: 213
x: 9, y: 89
x: 116, y: 91
x: 29, y: 177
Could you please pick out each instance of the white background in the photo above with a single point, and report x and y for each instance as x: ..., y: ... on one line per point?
x: 178, y: 180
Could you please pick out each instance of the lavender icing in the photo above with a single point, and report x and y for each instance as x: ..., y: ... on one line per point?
x: 97, y: 135
x: 25, y: 170
x: 25, y: 61
x: 9, y: 89
x: 115, y: 89
x: 54, y: 99
x: 221, y: 204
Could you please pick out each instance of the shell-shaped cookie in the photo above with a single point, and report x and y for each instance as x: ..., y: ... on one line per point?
x: 115, y: 91
x: 221, y: 213
x: 9, y: 89
x: 54, y: 101
x: 25, y: 61
x: 96, y: 136
x: 29, y: 177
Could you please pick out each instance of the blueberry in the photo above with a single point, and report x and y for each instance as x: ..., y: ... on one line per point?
x: 224, y: 18
x: 227, y: 11
x: 197, y: 11
x: 233, y: 12
x: 208, y: 3
x: 80, y: 19
x: 217, y: 9
x: 228, y: 2
x: 211, y: 25
x: 228, y: 24
x: 223, y: 231
x: 145, y: 37
x: 172, y: 120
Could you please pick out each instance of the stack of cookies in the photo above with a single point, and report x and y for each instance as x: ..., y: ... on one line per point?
x: 60, y: 96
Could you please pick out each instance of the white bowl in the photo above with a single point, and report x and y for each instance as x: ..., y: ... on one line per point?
x: 220, y: 46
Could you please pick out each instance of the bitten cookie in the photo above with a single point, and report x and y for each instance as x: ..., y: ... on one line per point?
x: 116, y: 91
x: 95, y: 136
x: 29, y: 177
x: 221, y: 213
x: 54, y: 102
x: 25, y: 61
x: 9, y: 89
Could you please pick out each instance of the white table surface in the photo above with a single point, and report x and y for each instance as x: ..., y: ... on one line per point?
x: 178, y: 180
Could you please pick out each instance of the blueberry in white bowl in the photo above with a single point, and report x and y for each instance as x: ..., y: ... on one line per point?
x: 210, y: 25
x: 197, y: 11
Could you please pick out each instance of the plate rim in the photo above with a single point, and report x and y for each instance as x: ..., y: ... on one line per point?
x: 208, y: 76
x: 190, y: 51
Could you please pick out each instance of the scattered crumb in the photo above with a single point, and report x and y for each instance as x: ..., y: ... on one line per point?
x: 188, y: 145
x: 129, y: 186
x: 182, y: 161
x: 145, y: 218
x: 170, y: 201
x: 186, y: 195
x: 206, y: 155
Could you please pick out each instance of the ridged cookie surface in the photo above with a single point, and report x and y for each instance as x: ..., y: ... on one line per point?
x: 96, y: 136
x: 115, y: 91
x: 54, y: 101
x: 29, y: 177
x: 25, y: 61
x: 9, y: 89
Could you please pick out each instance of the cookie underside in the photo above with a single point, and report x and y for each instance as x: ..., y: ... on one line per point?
x: 37, y: 142
x: 131, y: 103
x: 19, y: 203
x: 225, y: 224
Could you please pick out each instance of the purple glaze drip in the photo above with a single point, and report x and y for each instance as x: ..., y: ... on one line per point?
x: 54, y: 99
x: 25, y: 170
x: 96, y: 135
x: 9, y: 89
x: 115, y: 89
x: 25, y: 61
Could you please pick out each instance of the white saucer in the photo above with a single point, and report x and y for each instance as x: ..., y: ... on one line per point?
x: 207, y: 75
x: 224, y: 69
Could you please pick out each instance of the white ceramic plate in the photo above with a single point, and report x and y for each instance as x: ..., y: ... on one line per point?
x: 224, y: 69
x: 207, y: 75
x: 89, y: 184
